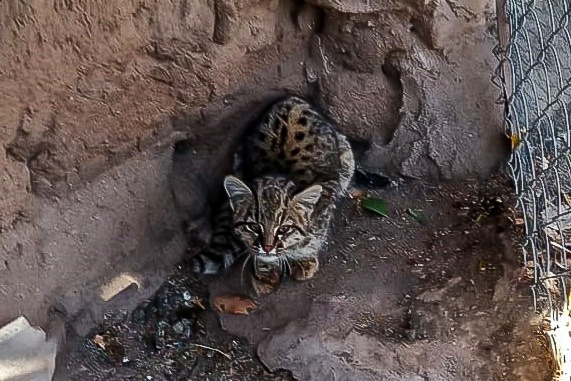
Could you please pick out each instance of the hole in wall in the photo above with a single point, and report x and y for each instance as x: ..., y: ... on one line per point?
x: 413, y: 25
x: 391, y: 72
x: 182, y: 146
x: 294, y: 11
x: 319, y: 21
x: 359, y: 147
x: 312, y: 13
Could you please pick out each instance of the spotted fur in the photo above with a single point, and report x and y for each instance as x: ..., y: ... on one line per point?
x: 293, y: 167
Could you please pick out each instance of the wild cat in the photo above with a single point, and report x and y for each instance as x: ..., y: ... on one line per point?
x: 294, y: 168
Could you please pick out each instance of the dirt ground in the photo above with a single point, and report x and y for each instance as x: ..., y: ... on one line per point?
x: 96, y: 95
x: 437, y: 296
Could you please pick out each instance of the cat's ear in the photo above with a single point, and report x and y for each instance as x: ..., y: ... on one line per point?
x: 237, y: 191
x: 309, y: 197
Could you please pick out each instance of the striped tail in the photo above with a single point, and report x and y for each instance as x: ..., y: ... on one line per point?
x: 224, y: 246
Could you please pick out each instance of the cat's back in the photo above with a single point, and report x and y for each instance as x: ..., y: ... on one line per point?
x: 295, y: 139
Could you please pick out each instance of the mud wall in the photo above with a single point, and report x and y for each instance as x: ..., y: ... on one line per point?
x: 91, y: 85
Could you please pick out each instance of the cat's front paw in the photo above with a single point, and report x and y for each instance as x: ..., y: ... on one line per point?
x: 265, y: 282
x: 261, y: 287
x: 304, y: 270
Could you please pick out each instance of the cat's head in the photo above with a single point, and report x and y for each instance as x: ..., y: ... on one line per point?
x: 269, y: 217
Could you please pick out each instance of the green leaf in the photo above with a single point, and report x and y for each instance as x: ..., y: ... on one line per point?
x: 375, y: 205
x: 417, y: 215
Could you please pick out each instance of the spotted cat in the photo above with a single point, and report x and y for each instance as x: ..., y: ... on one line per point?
x: 293, y: 168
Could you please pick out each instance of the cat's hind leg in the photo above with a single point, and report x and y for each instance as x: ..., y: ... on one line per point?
x: 209, y: 262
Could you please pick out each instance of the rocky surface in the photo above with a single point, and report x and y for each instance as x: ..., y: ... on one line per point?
x: 86, y: 85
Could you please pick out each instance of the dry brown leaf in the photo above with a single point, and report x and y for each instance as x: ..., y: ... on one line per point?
x: 99, y: 341
x: 357, y: 194
x: 516, y: 140
x: 233, y: 304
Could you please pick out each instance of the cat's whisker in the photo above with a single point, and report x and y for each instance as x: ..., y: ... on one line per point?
x: 285, y: 267
x: 243, y: 268
x: 289, y: 267
x: 281, y: 267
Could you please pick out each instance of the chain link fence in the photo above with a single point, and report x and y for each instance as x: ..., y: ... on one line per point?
x: 535, y: 76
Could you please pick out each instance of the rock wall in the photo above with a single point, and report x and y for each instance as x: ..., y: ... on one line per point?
x: 88, y: 85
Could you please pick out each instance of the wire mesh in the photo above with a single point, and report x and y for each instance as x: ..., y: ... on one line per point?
x: 535, y: 75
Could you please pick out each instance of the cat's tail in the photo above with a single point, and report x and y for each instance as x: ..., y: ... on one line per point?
x: 223, y: 249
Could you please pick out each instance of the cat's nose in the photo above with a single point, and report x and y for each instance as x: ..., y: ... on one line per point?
x: 267, y: 248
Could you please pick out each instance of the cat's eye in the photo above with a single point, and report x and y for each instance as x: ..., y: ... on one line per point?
x: 253, y: 227
x: 285, y: 229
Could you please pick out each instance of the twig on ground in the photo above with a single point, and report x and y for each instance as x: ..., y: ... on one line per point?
x: 212, y: 349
